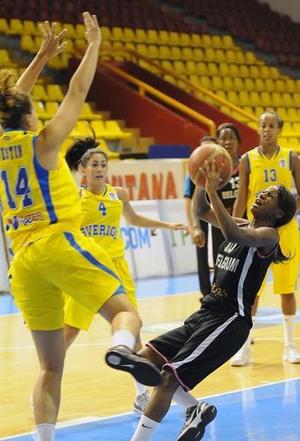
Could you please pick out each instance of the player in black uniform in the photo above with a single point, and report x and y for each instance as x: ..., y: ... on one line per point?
x: 213, y: 334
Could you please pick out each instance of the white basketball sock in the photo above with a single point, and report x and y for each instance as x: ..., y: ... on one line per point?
x: 145, y: 429
x: 184, y: 399
x: 45, y: 432
x: 123, y: 337
x: 140, y: 388
x: 289, y: 322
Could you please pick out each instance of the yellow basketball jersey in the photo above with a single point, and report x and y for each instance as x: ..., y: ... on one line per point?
x: 34, y: 200
x: 265, y: 172
x: 101, y: 216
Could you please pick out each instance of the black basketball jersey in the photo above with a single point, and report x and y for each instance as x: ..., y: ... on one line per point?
x: 239, y: 273
x: 229, y: 192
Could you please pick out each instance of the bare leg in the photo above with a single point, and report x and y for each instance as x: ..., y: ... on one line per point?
x: 288, y: 304
x: 46, y: 396
x: 70, y: 334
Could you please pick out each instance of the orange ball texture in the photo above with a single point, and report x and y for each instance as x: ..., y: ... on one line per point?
x: 209, y: 152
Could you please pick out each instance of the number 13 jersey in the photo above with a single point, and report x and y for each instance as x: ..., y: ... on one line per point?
x: 34, y: 201
x: 265, y: 172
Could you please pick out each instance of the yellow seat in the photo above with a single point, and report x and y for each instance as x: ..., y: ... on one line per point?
x: 4, y: 28
x: 103, y: 146
x: 224, y: 69
x: 69, y: 48
x: 164, y: 52
x: 249, y: 84
x: 217, y: 83
x: 54, y: 92
x: 153, y: 51
x: 287, y: 99
x: 71, y: 31
x: 115, y: 130
x: 39, y: 93
x: 106, y: 33
x: 227, y: 41
x: 202, y: 68
x: 207, y: 41
x: 212, y: 69
x: 128, y: 34
x: 117, y: 34
x: 234, y: 70
x: 175, y: 53
x: 163, y: 37
x: 179, y: 67
x: 29, y: 28
x: 276, y: 99
x: 270, y: 85
x: 282, y: 112
x: 240, y: 57
x: 185, y: 39
x: 196, y: 40
x: 238, y: 84
x: 15, y: 27
x: 80, y: 31
x: 198, y: 54
x: 191, y: 67
x: 254, y: 72
x: 5, y: 59
x: 232, y: 96
x: 187, y: 54
x: 264, y: 71
x: 244, y: 99
x: 255, y: 101
x: 266, y: 99
x: 205, y: 82
x: 142, y: 49
x: 167, y: 65
x: 88, y: 113
x: 244, y: 70
x: 228, y: 83
x: 216, y: 41
x: 252, y: 124
x: 259, y: 84
x: 209, y: 54
x: 230, y: 56
x: 81, y: 130
x: 80, y: 43
x: 280, y: 85
x: 296, y: 128
x: 27, y: 43
x: 152, y: 36
x: 40, y: 110
x: 174, y: 38
x: 250, y: 58
x: 221, y: 94
x: 220, y: 55
x: 290, y: 85
x: 274, y: 72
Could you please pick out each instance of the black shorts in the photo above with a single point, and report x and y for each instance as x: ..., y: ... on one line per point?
x: 206, y: 340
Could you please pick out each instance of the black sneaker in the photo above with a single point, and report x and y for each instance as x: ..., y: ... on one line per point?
x: 122, y: 358
x: 196, y: 419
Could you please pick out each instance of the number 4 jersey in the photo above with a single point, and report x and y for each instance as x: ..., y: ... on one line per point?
x: 34, y: 200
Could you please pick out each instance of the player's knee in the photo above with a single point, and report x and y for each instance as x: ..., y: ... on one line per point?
x: 168, y: 381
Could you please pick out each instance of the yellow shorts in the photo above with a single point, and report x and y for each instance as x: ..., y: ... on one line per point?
x: 285, y: 274
x: 61, y: 262
x: 80, y: 317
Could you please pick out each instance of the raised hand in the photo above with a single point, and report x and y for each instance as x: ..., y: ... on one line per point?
x: 52, y: 42
x: 211, y: 174
x: 92, y: 29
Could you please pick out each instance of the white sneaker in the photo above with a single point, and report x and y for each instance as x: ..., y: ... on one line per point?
x: 140, y: 403
x: 242, y: 357
x: 291, y: 354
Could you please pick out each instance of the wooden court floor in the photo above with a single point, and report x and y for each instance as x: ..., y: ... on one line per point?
x: 90, y: 388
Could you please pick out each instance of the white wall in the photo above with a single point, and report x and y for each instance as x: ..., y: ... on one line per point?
x: 288, y: 7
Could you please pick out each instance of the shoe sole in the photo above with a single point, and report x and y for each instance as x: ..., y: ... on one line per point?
x: 197, y: 433
x: 237, y: 364
x: 140, y: 368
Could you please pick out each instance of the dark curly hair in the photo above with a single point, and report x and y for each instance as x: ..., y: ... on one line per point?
x: 14, y: 104
x: 78, y: 149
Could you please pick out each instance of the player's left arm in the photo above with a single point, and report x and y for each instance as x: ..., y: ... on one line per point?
x: 296, y: 174
x: 142, y: 221
x: 52, y: 44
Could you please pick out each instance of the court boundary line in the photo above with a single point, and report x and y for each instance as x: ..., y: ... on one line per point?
x: 87, y: 420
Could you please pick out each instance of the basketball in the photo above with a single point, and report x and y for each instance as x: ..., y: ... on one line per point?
x: 208, y: 152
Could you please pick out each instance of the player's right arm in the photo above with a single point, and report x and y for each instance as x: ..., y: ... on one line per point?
x: 241, y: 200
x: 51, y: 137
